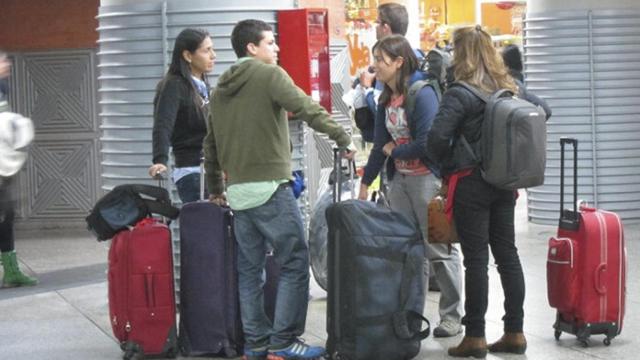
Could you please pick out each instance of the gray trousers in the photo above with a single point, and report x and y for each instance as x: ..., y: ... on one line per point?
x: 410, y: 196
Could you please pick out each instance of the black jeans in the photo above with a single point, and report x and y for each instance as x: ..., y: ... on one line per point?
x: 7, y: 213
x: 484, y: 218
x: 189, y: 188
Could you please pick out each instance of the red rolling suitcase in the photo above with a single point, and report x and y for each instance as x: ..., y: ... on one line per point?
x: 141, y: 296
x: 586, y: 268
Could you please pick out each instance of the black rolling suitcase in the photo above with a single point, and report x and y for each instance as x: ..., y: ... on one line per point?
x: 376, y: 288
x: 209, y: 303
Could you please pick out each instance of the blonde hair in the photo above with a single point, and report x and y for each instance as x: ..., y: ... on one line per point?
x: 476, y: 61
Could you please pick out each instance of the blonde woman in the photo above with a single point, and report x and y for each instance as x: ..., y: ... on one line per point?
x: 484, y: 214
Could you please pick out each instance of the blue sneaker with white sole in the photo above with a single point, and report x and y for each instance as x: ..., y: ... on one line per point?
x: 298, y: 350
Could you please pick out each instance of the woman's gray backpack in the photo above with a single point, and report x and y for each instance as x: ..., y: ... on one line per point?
x: 512, y: 149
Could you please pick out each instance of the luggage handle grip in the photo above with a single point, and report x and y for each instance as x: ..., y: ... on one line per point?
x: 148, y: 287
x: 337, y: 170
x: 597, y: 279
x: 569, y: 220
x: 202, y: 176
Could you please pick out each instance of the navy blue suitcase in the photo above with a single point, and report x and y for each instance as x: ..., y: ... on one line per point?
x: 209, y: 303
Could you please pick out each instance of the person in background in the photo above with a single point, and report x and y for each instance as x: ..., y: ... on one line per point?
x: 13, y: 130
x: 393, y: 19
x: 248, y: 141
x: 512, y: 58
x: 483, y: 214
x: 401, y: 139
x: 180, y: 111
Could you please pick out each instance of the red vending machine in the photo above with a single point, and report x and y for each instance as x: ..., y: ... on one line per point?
x: 303, y: 37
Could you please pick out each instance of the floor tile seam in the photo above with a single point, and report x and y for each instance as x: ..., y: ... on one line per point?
x: 85, y: 315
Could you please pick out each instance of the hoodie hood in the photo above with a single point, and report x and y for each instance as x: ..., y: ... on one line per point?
x: 234, y: 79
x: 16, y: 133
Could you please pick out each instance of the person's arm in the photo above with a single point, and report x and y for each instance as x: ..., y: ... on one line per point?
x: 285, y: 93
x: 376, y: 159
x: 532, y: 98
x: 214, y: 178
x: 448, y: 120
x: 423, y: 115
x: 166, y: 107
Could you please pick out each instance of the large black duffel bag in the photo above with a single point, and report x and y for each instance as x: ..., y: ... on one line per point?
x: 376, y: 282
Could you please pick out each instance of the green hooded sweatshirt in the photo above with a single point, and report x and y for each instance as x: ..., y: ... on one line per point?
x: 248, y: 129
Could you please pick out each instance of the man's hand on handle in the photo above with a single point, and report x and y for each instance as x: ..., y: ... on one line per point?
x: 157, y: 169
x: 218, y: 199
x: 348, y: 154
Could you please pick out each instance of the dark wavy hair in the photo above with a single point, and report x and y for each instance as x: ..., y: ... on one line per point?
x: 395, y: 46
x: 247, y: 32
x: 512, y: 58
x: 190, y: 40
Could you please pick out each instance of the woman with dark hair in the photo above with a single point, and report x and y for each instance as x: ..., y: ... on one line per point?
x: 483, y: 214
x: 180, y: 111
x: 15, y: 133
x: 513, y: 61
x: 512, y: 58
x: 400, y: 138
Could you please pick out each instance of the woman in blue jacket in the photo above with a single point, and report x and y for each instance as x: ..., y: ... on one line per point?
x: 401, y: 139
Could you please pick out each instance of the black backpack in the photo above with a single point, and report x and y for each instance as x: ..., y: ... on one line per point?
x: 513, y: 141
x: 125, y: 205
x: 436, y: 63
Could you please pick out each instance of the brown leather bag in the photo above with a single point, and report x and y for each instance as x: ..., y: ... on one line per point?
x: 441, y: 230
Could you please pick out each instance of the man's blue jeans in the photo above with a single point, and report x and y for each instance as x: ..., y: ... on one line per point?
x: 277, y: 223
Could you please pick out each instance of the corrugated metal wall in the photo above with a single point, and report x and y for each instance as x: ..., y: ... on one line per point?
x: 135, y: 46
x: 134, y: 49
x: 587, y: 65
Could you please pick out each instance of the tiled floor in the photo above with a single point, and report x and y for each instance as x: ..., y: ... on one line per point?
x: 66, y: 315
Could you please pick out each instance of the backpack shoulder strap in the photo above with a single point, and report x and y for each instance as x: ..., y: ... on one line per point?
x: 160, y: 203
x: 483, y: 96
x: 161, y: 208
x: 473, y: 90
x: 155, y: 192
x: 412, y: 94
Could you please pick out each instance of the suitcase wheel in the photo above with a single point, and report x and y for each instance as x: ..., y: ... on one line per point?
x: 557, y: 334
x: 132, y: 351
x: 606, y: 341
x: 584, y: 342
x: 172, y: 353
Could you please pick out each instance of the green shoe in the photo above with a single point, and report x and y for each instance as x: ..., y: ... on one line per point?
x: 13, y: 277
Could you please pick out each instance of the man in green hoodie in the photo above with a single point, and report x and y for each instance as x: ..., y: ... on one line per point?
x: 248, y: 142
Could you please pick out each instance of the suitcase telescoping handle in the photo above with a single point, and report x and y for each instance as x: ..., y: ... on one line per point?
x: 162, y: 177
x: 569, y: 220
x: 337, y: 171
x: 202, y: 176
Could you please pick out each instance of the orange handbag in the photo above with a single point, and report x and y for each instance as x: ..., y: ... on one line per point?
x: 441, y: 230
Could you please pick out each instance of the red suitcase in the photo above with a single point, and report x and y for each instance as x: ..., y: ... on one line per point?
x: 586, y: 268
x: 141, y: 296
